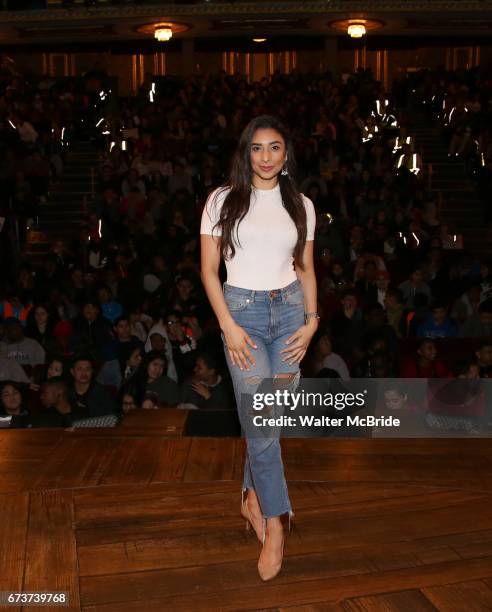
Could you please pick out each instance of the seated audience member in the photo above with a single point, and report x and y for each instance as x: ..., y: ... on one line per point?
x: 346, y: 324
x: 366, y: 287
x: 40, y: 323
x: 60, y: 304
x: 123, y: 340
x: 57, y: 409
x: 393, y: 305
x: 14, y: 306
x: 397, y: 399
x: 323, y: 357
x: 138, y: 327
x: 206, y: 389
x: 111, y: 309
x: 467, y: 306
x: 183, y: 343
x: 467, y: 368
x: 381, y: 365
x: 75, y: 286
x: 24, y: 351
x: 92, y: 331
x: 411, y: 287
x: 484, y: 359
x: 14, y: 412
x: 158, y: 340
x: 364, y: 354
x: 157, y: 275
x: 425, y: 364
x: 56, y: 368
x: 375, y: 327
x: 438, y: 324
x: 116, y: 372
x: 88, y: 397
x: 417, y: 315
x: 382, y: 282
x: 154, y: 385
x: 11, y: 370
x: 183, y: 298
x: 62, y: 333
x: 129, y: 399
x: 479, y: 325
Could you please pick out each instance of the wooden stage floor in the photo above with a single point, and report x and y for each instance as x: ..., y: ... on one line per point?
x: 140, y: 518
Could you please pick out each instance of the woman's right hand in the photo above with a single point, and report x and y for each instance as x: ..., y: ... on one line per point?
x: 237, y: 341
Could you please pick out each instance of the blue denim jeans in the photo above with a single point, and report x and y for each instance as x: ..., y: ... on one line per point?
x: 269, y: 317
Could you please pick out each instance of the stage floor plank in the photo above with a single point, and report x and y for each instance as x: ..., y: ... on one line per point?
x: 135, y: 522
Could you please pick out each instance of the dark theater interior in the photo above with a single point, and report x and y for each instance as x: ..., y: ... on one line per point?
x: 123, y: 434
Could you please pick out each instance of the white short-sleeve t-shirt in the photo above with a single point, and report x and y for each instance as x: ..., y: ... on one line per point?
x: 267, y: 236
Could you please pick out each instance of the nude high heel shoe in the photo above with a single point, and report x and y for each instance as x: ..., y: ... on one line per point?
x: 267, y: 571
x: 246, y: 513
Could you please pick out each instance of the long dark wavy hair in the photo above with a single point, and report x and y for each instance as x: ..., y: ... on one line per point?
x: 237, y: 201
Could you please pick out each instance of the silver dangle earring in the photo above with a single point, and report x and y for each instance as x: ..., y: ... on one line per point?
x: 284, y: 172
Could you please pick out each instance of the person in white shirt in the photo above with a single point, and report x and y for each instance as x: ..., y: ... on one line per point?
x: 11, y: 370
x: 324, y: 357
x: 263, y: 228
x: 25, y: 351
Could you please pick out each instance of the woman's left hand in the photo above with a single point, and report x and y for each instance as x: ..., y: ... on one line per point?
x: 299, y: 342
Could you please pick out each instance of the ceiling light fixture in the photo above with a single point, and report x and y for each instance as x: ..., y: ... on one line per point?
x: 356, y: 30
x: 259, y: 40
x: 162, y: 31
x: 163, y: 34
x: 356, y: 27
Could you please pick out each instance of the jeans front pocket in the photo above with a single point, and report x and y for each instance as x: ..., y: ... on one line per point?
x: 296, y: 298
x: 236, y: 303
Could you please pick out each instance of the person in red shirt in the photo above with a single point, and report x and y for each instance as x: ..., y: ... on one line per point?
x: 425, y: 364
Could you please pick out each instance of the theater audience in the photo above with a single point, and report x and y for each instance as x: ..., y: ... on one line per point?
x: 385, y: 280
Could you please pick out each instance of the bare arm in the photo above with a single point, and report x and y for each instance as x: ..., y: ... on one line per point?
x: 210, y: 258
x: 307, y: 279
x: 236, y: 338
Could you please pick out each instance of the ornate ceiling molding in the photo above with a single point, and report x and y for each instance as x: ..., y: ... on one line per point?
x: 326, y: 7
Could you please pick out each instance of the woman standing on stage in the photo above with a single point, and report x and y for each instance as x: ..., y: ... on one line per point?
x: 262, y: 226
